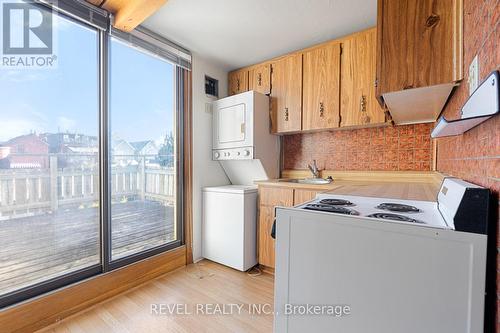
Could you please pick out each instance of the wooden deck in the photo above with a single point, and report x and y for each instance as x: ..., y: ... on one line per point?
x: 37, y: 248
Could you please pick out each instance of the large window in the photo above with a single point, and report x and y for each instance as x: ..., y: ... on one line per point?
x: 143, y: 142
x: 49, y: 171
x: 90, y: 148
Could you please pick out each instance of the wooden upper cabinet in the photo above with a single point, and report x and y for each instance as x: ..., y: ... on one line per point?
x: 358, y: 105
x: 238, y: 81
x: 321, y: 87
x: 259, y: 78
x: 286, y: 94
x: 419, y: 44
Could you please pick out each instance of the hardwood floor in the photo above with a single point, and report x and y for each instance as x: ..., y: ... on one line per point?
x: 204, y: 285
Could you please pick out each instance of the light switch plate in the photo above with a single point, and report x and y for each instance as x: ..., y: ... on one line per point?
x: 473, y: 75
x: 208, y: 108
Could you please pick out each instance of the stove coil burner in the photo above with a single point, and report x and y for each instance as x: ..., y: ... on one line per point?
x: 331, y: 209
x: 394, y: 217
x: 336, y: 202
x: 395, y: 207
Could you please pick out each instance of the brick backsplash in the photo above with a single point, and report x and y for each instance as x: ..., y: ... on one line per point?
x: 384, y: 148
x: 475, y: 155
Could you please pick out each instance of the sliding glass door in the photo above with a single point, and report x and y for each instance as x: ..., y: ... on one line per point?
x: 49, y: 165
x: 90, y: 147
x: 143, y: 176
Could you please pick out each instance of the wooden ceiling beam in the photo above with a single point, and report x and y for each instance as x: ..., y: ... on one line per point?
x: 128, y: 14
x: 96, y: 2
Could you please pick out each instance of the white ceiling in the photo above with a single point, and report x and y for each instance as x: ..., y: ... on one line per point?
x: 237, y: 33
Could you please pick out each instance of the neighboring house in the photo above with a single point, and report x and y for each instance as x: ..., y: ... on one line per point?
x: 4, y: 151
x: 123, y: 153
x: 145, y: 148
x: 122, y: 148
x: 79, y: 157
x: 73, y: 150
x: 28, y: 152
x: 58, y: 142
x: 4, y: 160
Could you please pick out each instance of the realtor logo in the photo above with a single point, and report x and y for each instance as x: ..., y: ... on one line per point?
x: 27, y: 35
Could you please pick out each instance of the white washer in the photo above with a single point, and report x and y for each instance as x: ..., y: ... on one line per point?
x: 229, y: 226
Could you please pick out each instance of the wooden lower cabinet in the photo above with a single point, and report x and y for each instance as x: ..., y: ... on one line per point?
x: 276, y: 196
x: 269, y: 198
x: 300, y: 196
x: 266, y: 242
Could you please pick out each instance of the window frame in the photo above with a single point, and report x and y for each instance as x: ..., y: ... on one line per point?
x: 106, y: 264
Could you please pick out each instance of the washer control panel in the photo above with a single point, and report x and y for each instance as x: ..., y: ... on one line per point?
x: 242, y: 153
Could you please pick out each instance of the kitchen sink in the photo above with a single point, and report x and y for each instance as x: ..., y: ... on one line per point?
x: 313, y: 181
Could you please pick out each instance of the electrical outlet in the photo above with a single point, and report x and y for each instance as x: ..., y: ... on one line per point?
x: 473, y: 75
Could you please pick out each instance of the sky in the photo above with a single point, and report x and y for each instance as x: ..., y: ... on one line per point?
x: 66, y: 98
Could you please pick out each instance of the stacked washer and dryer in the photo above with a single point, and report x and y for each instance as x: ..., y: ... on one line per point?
x: 246, y: 150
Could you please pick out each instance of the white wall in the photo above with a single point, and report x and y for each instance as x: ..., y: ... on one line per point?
x: 205, y: 171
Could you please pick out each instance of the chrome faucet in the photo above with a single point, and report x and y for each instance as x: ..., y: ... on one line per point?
x: 314, y: 169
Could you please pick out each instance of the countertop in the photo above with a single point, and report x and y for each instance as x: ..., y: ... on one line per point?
x: 396, y: 185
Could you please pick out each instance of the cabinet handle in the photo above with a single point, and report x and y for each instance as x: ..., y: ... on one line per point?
x: 362, y: 108
x: 259, y: 79
x: 238, y: 84
x: 286, y: 114
x: 321, y: 109
x: 362, y: 103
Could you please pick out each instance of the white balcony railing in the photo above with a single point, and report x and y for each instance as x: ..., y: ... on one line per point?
x: 31, y: 191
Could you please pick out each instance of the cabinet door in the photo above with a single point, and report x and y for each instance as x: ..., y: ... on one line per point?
x: 259, y: 79
x: 266, y: 242
x: 358, y: 105
x: 321, y: 88
x: 419, y: 43
x: 286, y: 94
x: 276, y: 196
x: 300, y: 196
x: 238, y: 82
x: 269, y: 198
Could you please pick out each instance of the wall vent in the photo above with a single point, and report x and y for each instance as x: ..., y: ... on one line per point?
x: 211, y: 86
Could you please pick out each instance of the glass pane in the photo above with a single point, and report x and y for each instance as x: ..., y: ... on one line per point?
x: 49, y: 175
x: 143, y: 174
